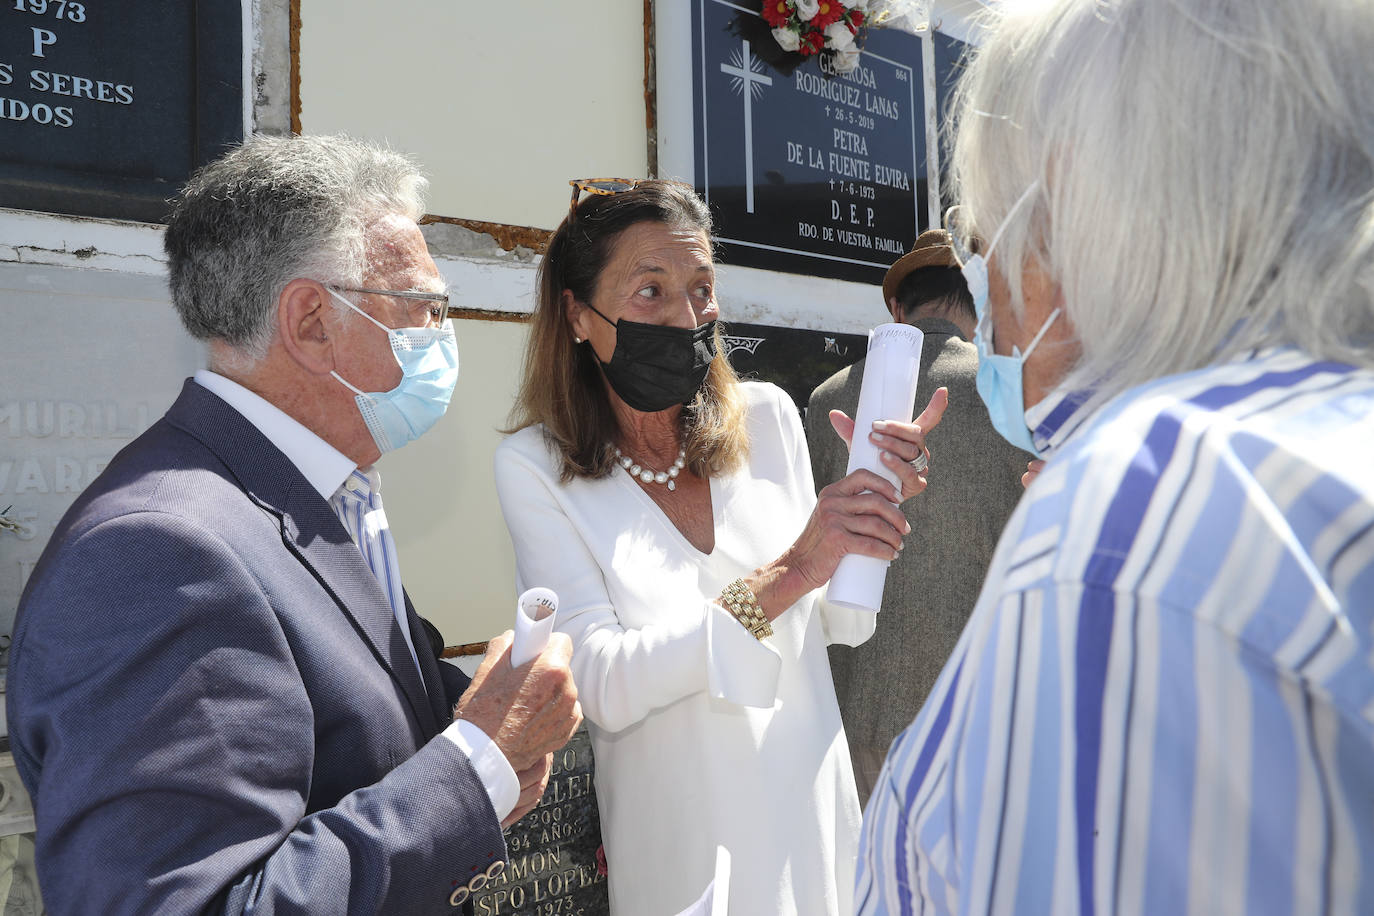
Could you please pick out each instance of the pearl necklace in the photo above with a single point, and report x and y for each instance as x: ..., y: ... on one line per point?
x: 649, y: 476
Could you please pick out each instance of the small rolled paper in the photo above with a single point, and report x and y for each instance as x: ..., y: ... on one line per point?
x: 534, y: 615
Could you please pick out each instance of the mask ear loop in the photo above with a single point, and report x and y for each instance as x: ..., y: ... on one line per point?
x: 983, y: 253
x: 997, y: 236
x: 1054, y: 316
x: 337, y: 377
x: 954, y: 213
x: 344, y: 300
x: 343, y: 381
x: 601, y: 316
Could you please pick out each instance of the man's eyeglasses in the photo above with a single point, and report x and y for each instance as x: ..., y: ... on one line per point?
x: 437, y: 312
x: 602, y: 186
x: 964, y: 244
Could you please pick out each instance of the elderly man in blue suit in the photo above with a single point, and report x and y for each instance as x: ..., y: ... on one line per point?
x: 220, y: 697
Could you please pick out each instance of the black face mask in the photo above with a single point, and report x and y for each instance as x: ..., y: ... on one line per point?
x: 654, y: 367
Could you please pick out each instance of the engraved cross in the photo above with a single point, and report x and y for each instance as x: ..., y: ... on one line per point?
x: 747, y: 81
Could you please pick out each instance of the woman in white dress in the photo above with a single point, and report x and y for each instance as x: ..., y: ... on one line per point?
x: 672, y: 509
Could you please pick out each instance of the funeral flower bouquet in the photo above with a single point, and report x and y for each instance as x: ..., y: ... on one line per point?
x: 810, y: 27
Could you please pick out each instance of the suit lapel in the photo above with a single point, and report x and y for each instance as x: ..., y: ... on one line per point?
x: 310, y: 530
x: 314, y: 533
x: 429, y: 668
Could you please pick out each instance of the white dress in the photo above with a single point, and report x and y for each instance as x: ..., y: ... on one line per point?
x: 702, y: 735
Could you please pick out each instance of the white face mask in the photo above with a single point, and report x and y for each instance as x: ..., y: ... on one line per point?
x: 428, y: 358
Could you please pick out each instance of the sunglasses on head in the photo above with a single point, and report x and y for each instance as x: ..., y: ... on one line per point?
x: 602, y: 186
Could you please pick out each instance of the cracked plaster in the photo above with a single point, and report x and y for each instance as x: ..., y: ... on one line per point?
x: 450, y: 240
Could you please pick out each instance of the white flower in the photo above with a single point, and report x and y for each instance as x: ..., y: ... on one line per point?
x: 860, y: 5
x: 845, y: 61
x: 806, y: 9
x: 838, y: 37
x: 787, y: 39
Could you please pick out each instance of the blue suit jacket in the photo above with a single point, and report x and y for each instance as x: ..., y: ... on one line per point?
x: 212, y: 704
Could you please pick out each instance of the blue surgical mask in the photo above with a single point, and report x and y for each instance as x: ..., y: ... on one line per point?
x: 428, y: 358
x: 1000, y: 377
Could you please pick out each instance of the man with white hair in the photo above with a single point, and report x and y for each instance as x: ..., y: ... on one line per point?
x: 1164, y: 699
x: 219, y: 696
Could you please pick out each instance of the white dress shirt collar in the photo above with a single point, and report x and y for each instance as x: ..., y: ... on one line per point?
x: 327, y: 469
x: 323, y: 465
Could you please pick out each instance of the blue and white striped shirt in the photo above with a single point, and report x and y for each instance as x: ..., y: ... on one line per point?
x: 1164, y: 699
x: 358, y: 504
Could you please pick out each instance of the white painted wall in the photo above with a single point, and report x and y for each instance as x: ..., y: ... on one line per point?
x: 96, y: 332
x: 502, y: 102
x: 108, y: 360
x: 440, y: 491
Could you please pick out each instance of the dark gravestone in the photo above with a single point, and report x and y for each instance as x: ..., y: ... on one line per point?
x: 794, y: 359
x: 107, y: 108
x: 806, y: 170
x: 555, y: 864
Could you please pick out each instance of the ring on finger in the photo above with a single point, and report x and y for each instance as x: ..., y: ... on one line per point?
x: 920, y: 462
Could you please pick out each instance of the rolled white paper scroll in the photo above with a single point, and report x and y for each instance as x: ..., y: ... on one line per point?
x: 888, y: 392
x: 534, y: 614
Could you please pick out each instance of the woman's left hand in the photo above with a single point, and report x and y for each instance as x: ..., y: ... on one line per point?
x: 901, y: 443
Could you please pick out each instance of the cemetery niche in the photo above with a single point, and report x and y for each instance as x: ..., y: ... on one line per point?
x: 106, y: 109
x: 556, y: 867
x: 807, y: 169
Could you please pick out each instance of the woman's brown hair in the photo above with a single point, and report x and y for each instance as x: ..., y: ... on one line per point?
x: 562, y: 386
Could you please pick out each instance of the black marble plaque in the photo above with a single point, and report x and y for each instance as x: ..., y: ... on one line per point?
x: 794, y: 359
x: 556, y: 865
x: 806, y: 170
x: 106, y: 108
x: 949, y: 63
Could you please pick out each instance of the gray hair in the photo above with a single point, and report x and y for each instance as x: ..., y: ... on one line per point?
x: 1203, y: 174
x: 272, y: 210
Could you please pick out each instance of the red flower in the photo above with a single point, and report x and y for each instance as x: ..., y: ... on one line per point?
x: 856, y: 20
x: 830, y: 11
x: 811, y: 42
x: 601, y: 868
x: 777, y: 12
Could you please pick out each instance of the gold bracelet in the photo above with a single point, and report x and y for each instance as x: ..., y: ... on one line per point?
x: 740, y: 601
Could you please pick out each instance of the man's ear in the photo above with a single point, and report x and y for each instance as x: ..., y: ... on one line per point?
x: 578, y: 315
x: 302, y: 310
x: 895, y: 308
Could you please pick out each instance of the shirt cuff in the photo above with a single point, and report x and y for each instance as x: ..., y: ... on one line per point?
x: 503, y: 788
x: 739, y: 668
x: 845, y: 626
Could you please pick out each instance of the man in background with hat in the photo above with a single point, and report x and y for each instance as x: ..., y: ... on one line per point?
x: 931, y: 588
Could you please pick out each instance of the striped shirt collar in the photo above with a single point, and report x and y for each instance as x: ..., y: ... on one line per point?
x: 325, y: 467
x: 1060, y: 414
x: 1064, y: 411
